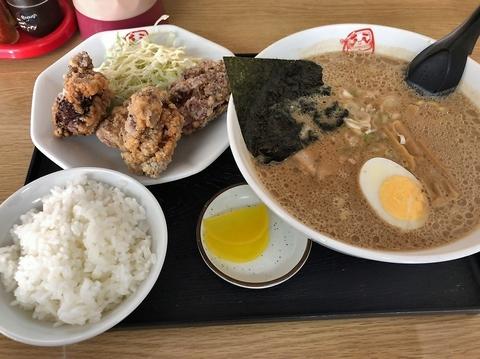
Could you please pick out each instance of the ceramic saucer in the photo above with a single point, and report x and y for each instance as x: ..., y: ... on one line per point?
x: 286, y: 253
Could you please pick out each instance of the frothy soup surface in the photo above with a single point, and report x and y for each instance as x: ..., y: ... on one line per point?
x: 437, y: 140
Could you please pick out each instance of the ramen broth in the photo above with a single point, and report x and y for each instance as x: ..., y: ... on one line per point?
x: 319, y: 185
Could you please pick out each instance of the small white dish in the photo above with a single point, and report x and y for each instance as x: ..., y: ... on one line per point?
x: 287, y: 251
x: 17, y: 323
x: 193, y: 153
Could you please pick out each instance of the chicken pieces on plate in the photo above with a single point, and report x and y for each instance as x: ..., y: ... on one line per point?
x: 147, y: 126
x: 146, y: 129
x: 84, y: 101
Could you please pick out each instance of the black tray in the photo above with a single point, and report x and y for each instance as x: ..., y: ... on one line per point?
x: 329, y: 285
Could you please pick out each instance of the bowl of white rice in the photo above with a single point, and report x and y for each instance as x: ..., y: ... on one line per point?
x: 79, y: 251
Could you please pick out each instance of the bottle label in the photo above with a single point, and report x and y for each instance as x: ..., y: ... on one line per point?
x: 28, y: 22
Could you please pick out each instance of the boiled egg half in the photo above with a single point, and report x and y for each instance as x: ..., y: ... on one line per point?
x: 394, y: 193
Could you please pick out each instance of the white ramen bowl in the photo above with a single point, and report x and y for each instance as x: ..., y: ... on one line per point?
x: 390, y: 41
x: 17, y: 323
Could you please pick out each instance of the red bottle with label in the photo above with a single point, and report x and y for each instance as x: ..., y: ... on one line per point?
x: 94, y: 16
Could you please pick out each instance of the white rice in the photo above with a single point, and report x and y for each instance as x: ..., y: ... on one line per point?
x: 80, y: 256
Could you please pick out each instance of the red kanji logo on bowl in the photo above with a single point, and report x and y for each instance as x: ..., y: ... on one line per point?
x: 359, y: 40
x: 136, y: 35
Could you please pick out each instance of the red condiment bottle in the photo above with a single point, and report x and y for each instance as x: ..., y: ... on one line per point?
x: 8, y: 32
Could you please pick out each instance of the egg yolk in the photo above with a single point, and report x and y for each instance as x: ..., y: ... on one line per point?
x: 240, y: 235
x: 403, y: 199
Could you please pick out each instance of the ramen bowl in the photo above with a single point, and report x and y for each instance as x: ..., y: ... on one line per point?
x: 396, y: 43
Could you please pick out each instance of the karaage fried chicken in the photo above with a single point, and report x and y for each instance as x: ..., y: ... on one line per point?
x: 201, y: 94
x: 145, y: 129
x: 84, y: 100
x: 110, y: 130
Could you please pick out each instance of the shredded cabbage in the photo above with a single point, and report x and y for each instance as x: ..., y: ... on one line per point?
x: 131, y: 65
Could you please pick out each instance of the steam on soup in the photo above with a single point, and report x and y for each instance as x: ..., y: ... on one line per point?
x: 390, y: 170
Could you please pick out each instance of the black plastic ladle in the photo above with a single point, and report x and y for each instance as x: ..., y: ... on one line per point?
x: 437, y: 70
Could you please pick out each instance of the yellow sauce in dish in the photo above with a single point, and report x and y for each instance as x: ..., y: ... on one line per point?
x: 240, y: 235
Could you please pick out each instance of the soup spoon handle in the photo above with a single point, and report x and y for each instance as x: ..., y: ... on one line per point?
x: 437, y: 70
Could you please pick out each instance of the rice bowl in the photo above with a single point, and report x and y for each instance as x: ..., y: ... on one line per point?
x: 18, y: 323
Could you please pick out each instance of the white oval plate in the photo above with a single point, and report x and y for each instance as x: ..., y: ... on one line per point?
x: 286, y: 253
x: 193, y: 153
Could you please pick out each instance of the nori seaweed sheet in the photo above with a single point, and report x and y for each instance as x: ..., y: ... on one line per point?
x: 263, y: 90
